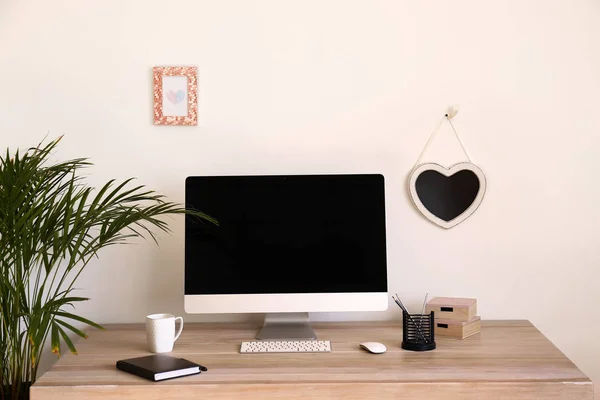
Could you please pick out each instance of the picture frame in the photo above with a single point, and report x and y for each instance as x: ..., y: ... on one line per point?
x: 175, y: 95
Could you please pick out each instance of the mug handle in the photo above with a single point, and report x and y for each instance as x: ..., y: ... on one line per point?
x: 180, y: 328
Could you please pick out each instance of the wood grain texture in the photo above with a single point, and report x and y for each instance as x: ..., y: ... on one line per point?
x: 508, y: 359
x: 457, y: 329
x: 462, y: 309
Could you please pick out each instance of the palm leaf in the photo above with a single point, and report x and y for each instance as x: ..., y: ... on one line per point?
x: 80, y: 319
x: 70, y: 327
x: 67, y: 340
x: 55, y: 340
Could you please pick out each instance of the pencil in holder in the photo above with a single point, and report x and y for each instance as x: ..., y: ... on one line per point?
x: 418, y: 331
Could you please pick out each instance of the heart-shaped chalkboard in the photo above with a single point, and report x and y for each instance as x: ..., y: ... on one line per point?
x: 447, y: 196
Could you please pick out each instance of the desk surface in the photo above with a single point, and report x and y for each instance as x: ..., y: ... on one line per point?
x: 508, y: 359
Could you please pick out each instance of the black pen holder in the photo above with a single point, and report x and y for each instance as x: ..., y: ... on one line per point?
x: 418, y: 332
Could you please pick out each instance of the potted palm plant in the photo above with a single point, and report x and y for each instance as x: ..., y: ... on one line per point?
x: 51, y: 225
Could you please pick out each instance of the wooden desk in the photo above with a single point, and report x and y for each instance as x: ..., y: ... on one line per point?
x: 507, y: 360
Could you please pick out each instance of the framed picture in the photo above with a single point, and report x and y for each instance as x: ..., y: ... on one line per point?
x: 175, y: 95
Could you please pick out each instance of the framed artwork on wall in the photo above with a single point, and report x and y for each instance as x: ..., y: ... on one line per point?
x: 175, y: 95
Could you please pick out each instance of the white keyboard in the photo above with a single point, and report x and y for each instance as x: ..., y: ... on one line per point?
x: 286, y: 346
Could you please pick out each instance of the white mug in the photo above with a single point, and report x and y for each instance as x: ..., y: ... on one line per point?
x: 160, y: 332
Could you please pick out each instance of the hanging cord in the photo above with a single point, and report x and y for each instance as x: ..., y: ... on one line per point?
x: 437, y: 128
x: 448, y: 118
x: 458, y: 137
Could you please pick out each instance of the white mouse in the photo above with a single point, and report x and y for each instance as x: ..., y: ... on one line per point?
x: 373, y: 347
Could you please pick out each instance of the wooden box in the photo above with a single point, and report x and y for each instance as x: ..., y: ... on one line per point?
x: 457, y: 329
x: 452, y: 308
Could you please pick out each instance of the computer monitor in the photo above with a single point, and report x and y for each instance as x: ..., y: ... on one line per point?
x: 286, y: 245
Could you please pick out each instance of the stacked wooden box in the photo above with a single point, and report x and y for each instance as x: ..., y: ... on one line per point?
x: 454, y: 317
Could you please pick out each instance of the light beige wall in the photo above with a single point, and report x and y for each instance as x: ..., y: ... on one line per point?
x: 338, y: 86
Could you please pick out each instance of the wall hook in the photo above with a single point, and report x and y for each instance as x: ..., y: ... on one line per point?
x: 452, y: 111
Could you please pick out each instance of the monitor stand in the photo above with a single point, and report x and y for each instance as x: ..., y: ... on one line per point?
x: 286, y: 326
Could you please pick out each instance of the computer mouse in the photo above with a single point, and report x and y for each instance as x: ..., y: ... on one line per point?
x: 373, y: 347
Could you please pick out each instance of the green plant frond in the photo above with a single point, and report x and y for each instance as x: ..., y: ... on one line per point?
x: 38, y: 327
x: 79, y: 318
x: 67, y: 340
x: 72, y: 328
x: 100, y: 195
x: 116, y: 193
x: 55, y: 340
x: 52, y: 305
x: 51, y: 225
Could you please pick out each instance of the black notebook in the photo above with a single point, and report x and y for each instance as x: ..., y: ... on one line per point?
x: 158, y: 367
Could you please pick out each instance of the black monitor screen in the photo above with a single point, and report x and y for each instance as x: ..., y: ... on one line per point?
x: 286, y: 234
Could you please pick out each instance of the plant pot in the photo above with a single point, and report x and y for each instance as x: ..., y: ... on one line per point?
x: 23, y: 392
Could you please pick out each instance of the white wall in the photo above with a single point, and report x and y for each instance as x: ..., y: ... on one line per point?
x: 338, y: 86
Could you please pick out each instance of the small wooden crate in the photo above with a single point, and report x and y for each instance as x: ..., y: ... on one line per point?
x: 452, y: 308
x: 457, y: 329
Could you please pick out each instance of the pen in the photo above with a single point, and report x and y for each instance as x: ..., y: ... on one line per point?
x: 418, y: 327
x: 424, y: 302
x: 400, y: 303
x: 423, y: 309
